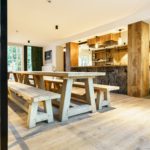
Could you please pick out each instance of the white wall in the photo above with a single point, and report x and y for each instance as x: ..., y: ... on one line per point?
x: 57, y: 59
x: 124, y: 36
x: 48, y: 66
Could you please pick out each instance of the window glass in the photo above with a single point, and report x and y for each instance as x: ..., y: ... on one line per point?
x: 14, y: 59
x: 29, y: 58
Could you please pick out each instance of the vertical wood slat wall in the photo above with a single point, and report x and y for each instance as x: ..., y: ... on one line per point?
x: 138, y: 59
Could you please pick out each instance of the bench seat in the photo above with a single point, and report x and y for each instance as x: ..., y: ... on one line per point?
x: 102, y: 92
x: 18, y: 92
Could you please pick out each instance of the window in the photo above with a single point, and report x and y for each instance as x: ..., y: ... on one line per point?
x: 29, y: 58
x: 15, y: 58
x: 85, y: 57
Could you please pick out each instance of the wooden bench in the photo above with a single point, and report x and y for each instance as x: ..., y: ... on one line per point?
x: 28, y: 98
x: 102, y: 91
x: 103, y: 95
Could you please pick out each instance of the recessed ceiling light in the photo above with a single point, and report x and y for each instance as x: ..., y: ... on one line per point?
x: 120, y: 30
x: 56, y: 27
x: 49, y: 1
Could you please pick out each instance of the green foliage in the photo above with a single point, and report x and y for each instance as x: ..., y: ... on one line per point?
x: 29, y: 58
x: 14, y: 58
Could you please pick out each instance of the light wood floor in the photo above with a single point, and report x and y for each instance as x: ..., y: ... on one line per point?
x: 124, y: 127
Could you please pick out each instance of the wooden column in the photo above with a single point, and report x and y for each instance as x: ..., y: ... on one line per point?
x: 138, y: 59
x: 72, y: 54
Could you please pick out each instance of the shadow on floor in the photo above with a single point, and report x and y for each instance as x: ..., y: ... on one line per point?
x: 41, y: 127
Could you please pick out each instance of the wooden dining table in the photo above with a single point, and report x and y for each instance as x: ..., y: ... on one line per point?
x: 65, y: 110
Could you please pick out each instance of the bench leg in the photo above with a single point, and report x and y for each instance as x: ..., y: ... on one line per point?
x: 108, y: 97
x: 49, y: 110
x: 33, y: 109
x: 100, y: 99
x: 103, y: 99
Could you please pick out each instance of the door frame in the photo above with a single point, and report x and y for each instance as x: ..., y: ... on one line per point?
x: 3, y: 77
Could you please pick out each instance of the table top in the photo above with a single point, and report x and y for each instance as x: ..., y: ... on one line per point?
x: 62, y: 74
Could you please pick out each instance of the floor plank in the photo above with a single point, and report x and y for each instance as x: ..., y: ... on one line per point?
x: 124, y: 127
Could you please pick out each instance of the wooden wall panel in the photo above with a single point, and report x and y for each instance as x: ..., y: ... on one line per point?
x: 120, y: 57
x: 138, y: 59
x: 60, y: 58
x: 91, y: 42
x: 72, y: 55
x: 104, y: 38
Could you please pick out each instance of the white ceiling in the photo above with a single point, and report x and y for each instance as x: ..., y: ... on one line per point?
x: 36, y: 19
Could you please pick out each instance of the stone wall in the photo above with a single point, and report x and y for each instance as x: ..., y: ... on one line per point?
x: 115, y: 75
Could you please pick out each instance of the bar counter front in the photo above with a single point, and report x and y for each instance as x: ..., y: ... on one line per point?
x: 115, y: 75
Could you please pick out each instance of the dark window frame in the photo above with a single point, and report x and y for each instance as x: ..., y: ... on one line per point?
x: 3, y: 77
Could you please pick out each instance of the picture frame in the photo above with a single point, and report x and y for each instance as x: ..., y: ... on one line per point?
x: 48, y: 55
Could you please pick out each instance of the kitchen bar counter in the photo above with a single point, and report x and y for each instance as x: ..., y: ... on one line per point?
x: 115, y: 75
x: 101, y: 66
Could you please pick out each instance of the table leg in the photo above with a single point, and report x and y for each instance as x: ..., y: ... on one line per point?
x: 65, y: 99
x: 20, y: 78
x: 36, y: 83
x: 26, y: 79
x: 42, y: 84
x: 39, y: 81
x: 90, y: 97
x: 15, y: 77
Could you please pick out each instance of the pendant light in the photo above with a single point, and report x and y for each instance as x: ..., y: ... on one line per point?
x: 96, y: 45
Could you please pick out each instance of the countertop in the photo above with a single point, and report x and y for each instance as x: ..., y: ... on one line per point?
x: 100, y: 66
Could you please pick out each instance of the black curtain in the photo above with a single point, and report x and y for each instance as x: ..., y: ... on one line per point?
x: 37, y: 58
x: 25, y: 57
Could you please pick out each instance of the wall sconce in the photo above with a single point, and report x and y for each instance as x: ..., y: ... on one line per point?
x: 64, y: 49
x: 96, y: 45
x: 120, y: 41
x: 97, y: 42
